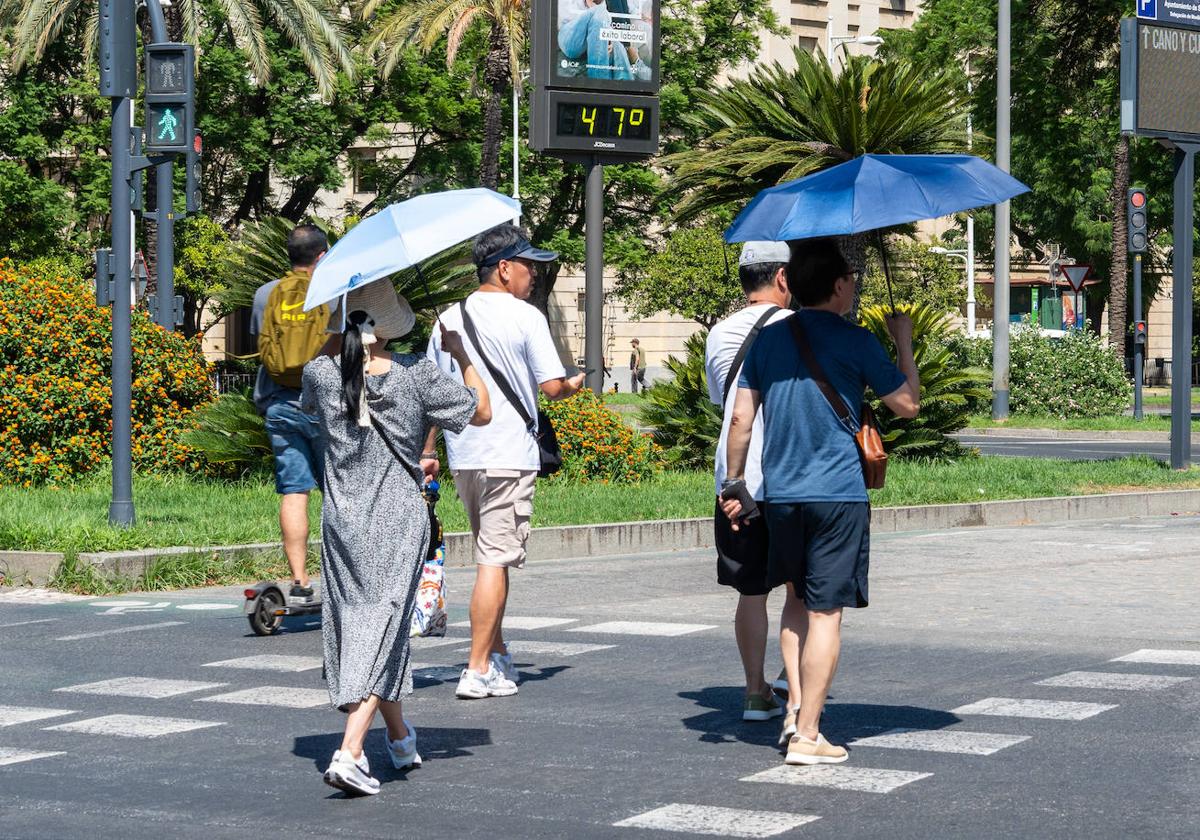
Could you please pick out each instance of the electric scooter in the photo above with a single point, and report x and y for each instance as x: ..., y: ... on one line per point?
x: 268, y: 602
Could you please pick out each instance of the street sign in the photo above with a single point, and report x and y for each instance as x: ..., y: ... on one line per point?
x: 1160, y: 74
x: 1173, y: 12
x: 170, y: 91
x: 1076, y: 274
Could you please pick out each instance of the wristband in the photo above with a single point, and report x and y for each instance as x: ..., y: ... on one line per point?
x: 425, y: 456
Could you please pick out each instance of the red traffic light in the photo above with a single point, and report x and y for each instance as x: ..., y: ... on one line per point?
x: 1137, y: 198
x: 198, y: 145
x: 1140, y: 326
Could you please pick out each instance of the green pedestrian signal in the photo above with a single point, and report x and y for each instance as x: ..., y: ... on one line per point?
x: 170, y: 94
x: 166, y: 125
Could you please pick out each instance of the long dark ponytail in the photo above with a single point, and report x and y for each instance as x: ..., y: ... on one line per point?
x: 352, y: 361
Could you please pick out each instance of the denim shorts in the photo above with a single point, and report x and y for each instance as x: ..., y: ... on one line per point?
x: 298, y: 447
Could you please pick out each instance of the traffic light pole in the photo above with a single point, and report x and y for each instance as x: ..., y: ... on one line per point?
x: 1139, y: 345
x: 1181, y: 327
x: 120, y: 509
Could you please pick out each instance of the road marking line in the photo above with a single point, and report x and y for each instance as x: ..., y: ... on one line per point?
x: 11, y: 756
x: 1040, y: 709
x: 1117, y: 682
x: 201, y: 607
x: 145, y: 687
x: 960, y: 742
x: 12, y: 715
x: 1161, y: 657
x: 117, y: 630
x: 643, y: 628
x: 861, y: 779
x: 270, y: 662
x: 525, y: 622
x: 721, y: 822
x: 551, y: 648
x: 32, y: 621
x: 40, y: 596
x: 426, y: 642
x: 133, y: 726
x: 273, y: 695
x: 119, y: 604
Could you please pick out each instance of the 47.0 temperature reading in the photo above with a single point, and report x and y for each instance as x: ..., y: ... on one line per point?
x: 608, y: 121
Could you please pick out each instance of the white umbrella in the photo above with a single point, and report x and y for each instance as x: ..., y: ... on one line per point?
x: 402, y: 235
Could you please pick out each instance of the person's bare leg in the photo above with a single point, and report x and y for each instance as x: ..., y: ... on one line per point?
x: 358, y: 722
x: 393, y: 716
x: 750, y: 631
x: 818, y: 664
x: 487, y: 607
x: 293, y: 524
x: 498, y: 645
x: 792, y: 634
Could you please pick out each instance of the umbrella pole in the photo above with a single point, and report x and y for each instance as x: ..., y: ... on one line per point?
x: 425, y: 284
x: 887, y: 271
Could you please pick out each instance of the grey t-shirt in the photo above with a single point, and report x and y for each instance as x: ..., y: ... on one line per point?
x: 266, y: 390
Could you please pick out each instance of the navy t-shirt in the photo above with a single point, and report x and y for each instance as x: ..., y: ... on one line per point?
x: 808, y: 454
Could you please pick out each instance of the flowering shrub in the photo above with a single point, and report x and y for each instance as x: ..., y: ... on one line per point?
x: 597, y: 445
x: 55, y: 387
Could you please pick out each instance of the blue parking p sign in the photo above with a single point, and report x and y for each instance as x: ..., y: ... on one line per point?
x: 1147, y: 9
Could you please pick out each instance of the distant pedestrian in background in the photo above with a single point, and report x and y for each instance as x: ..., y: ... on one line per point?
x: 637, y: 366
x: 815, y: 497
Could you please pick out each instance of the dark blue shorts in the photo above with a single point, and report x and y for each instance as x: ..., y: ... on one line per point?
x: 823, y: 549
x: 299, y: 453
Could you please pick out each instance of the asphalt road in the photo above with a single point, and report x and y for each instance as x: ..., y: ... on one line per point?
x: 1071, y: 449
x: 1001, y: 648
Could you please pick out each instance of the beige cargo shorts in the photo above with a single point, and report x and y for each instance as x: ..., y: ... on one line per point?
x: 499, y: 504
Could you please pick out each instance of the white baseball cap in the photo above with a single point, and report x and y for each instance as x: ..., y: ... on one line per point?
x: 764, y: 252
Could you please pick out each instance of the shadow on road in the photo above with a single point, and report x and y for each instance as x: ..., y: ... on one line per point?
x: 433, y: 742
x: 844, y: 722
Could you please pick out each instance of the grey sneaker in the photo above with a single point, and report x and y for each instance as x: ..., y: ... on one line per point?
x: 475, y: 686
x: 352, y: 776
x: 504, y: 664
x: 404, y: 752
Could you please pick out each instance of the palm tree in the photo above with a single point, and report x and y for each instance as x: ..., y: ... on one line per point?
x: 423, y: 23
x: 314, y: 27
x: 780, y: 124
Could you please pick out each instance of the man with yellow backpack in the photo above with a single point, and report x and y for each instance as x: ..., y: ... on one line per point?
x: 288, y: 338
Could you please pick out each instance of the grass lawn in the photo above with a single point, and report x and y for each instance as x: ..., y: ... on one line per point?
x: 1149, y: 423
x: 623, y: 398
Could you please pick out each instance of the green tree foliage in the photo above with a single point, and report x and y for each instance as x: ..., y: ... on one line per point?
x: 947, y: 388
x: 33, y: 213
x: 686, y: 424
x: 230, y: 436
x: 691, y: 277
x: 204, y: 261
x: 918, y: 276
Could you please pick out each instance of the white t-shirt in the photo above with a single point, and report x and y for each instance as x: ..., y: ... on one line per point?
x: 516, y: 339
x: 724, y: 341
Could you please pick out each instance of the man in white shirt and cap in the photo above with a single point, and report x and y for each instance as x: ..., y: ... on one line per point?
x: 742, y: 554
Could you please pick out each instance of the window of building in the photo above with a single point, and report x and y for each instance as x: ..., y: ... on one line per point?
x: 809, y: 44
x: 366, y: 170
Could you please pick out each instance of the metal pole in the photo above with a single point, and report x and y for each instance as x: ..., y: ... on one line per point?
x: 165, y: 201
x: 1181, y: 328
x: 120, y: 509
x: 970, y: 218
x: 516, y: 162
x: 593, y: 348
x: 1139, y: 349
x: 1000, y: 360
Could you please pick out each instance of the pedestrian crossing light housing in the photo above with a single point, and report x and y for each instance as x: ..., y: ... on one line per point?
x: 1136, y: 212
x: 170, y: 98
x: 1139, y: 332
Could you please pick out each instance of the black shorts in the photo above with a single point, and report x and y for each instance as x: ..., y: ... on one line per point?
x: 823, y: 549
x: 741, y: 554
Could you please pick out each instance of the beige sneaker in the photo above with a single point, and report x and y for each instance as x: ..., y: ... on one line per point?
x: 789, y: 725
x: 803, y: 751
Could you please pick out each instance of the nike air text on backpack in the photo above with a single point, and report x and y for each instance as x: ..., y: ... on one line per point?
x: 290, y: 337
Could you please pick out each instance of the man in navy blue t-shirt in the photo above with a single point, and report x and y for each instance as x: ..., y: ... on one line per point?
x: 815, y: 499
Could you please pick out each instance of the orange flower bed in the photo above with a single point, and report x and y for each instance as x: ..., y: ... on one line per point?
x: 597, y: 445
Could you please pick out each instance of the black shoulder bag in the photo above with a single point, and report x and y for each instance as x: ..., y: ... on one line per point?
x: 549, y: 454
x: 740, y: 358
x: 435, y: 524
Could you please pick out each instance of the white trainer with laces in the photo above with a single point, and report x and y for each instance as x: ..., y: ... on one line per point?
x: 404, y: 752
x: 351, y: 776
x: 504, y: 664
x: 475, y: 686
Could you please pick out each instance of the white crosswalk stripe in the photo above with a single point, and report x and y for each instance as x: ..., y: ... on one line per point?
x: 720, y: 822
x: 270, y: 662
x: 1162, y: 657
x: 34, y: 595
x: 273, y: 695
x: 11, y: 756
x: 133, y: 726
x: 116, y: 631
x: 1040, y: 709
x: 150, y: 688
x: 861, y: 779
x: 525, y: 622
x: 942, y: 740
x: 549, y: 648
x: 643, y: 628
x: 1118, y: 682
x: 12, y: 715
x: 425, y: 643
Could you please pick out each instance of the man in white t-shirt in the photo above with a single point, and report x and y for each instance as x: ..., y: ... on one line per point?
x: 742, y: 554
x: 494, y: 466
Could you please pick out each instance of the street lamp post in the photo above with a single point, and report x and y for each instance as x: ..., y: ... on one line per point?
x: 832, y: 40
x: 968, y: 258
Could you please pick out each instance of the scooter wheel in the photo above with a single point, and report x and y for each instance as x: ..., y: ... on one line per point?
x: 263, y: 620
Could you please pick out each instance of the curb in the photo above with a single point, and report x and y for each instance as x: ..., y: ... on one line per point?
x: 650, y: 537
x: 1064, y: 434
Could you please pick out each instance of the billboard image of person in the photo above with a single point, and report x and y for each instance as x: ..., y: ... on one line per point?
x: 605, y: 39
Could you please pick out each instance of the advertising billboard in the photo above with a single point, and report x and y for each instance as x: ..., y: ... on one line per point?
x: 602, y: 45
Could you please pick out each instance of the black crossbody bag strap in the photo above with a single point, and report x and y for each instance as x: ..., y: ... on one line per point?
x: 818, y: 374
x: 497, y: 376
x: 740, y: 358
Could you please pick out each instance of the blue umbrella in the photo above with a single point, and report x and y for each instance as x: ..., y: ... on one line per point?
x: 872, y: 192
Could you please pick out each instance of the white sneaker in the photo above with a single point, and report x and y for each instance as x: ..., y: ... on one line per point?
x: 780, y: 683
x: 352, y: 776
x: 475, y: 686
x: 404, y: 752
x: 504, y: 664
x: 789, y: 725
